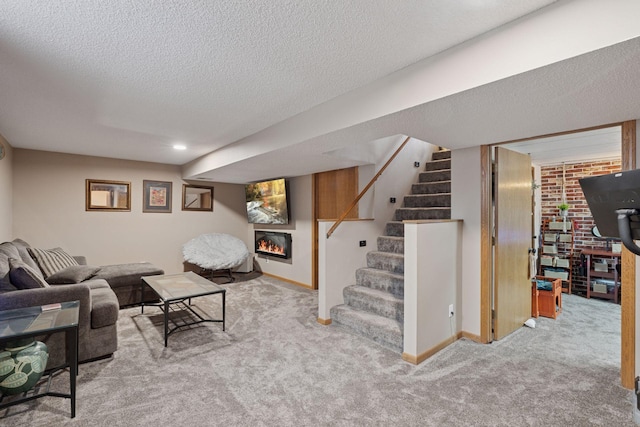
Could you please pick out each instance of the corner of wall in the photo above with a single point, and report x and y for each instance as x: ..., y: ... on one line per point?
x: 6, y: 191
x: 466, y: 200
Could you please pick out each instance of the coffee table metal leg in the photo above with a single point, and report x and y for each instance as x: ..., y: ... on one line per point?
x: 141, y: 296
x: 223, y: 306
x: 166, y: 322
x: 72, y: 355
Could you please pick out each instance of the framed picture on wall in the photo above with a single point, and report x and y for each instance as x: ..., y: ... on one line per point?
x: 156, y: 196
x: 102, y: 195
x: 197, y: 198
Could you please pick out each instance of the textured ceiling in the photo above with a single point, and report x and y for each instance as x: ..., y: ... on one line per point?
x: 127, y: 79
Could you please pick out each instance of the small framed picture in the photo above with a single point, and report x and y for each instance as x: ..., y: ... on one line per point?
x: 197, y: 198
x: 156, y: 196
x: 101, y: 195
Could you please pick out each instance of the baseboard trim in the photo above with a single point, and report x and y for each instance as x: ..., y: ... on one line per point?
x: 416, y: 360
x: 293, y: 282
x: 324, y: 321
x: 472, y: 337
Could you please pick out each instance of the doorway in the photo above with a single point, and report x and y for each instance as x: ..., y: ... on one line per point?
x: 627, y: 144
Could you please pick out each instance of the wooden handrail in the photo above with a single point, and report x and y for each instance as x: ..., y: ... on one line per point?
x: 365, y: 189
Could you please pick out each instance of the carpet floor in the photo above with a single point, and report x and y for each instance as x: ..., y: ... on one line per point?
x: 276, y: 366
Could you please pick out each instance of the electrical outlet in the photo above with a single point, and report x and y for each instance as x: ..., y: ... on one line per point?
x: 450, y: 310
x: 363, y: 243
x: 392, y: 200
x: 416, y: 164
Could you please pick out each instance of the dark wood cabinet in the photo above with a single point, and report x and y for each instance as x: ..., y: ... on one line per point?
x: 603, y: 264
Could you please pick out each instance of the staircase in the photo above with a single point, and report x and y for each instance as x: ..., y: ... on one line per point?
x: 374, y: 306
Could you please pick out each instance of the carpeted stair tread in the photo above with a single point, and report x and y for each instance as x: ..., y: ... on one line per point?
x: 439, y: 155
x: 374, y: 301
x: 394, y: 228
x: 434, y: 176
x: 403, y: 214
x: 386, y: 261
x: 384, y: 331
x: 427, y: 200
x: 383, y: 280
x: 437, y: 165
x: 435, y: 187
x: 393, y: 244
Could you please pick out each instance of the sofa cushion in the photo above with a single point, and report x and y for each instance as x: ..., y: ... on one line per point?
x: 23, y: 250
x: 24, y: 277
x: 97, y: 284
x: 72, y: 274
x: 7, y: 250
x: 51, y: 261
x: 127, y: 274
x: 104, y: 307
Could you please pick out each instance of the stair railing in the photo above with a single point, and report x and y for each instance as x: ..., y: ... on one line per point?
x: 366, y: 188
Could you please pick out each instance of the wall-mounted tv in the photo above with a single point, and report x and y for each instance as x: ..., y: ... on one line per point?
x: 267, y: 202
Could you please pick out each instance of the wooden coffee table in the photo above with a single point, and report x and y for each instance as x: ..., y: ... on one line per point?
x: 173, y: 290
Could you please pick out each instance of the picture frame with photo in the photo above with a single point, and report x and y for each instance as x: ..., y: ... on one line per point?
x: 156, y: 196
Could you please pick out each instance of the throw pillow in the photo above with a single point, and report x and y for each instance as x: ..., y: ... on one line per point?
x: 24, y: 277
x: 51, y: 261
x: 73, y: 274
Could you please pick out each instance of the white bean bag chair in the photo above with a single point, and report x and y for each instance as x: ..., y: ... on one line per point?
x: 215, y: 251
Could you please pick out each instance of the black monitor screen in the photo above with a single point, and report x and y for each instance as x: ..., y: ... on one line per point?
x: 607, y: 193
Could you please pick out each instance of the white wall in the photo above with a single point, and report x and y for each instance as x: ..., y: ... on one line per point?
x: 298, y: 267
x: 49, y: 210
x: 466, y: 205
x: 338, y: 259
x: 6, y: 193
x: 432, y: 273
x: 397, y: 179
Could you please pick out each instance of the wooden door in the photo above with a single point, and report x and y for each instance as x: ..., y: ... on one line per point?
x: 336, y: 190
x: 513, y: 217
x: 333, y: 192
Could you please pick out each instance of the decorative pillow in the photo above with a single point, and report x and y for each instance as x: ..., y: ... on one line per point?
x: 73, y: 274
x: 24, y: 277
x: 51, y: 261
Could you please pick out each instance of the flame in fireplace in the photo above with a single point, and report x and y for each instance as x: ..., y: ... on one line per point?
x: 269, y: 246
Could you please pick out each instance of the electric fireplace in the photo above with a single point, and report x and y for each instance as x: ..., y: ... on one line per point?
x: 273, y: 243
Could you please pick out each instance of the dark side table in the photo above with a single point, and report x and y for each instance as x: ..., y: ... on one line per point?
x: 41, y: 320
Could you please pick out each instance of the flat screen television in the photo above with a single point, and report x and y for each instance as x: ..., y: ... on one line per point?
x: 267, y: 202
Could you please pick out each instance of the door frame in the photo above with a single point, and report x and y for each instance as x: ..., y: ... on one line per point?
x: 628, y: 279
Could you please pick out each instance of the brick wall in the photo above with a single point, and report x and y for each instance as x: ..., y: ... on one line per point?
x: 551, y: 190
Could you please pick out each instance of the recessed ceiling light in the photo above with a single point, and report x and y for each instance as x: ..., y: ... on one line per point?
x: 179, y: 147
